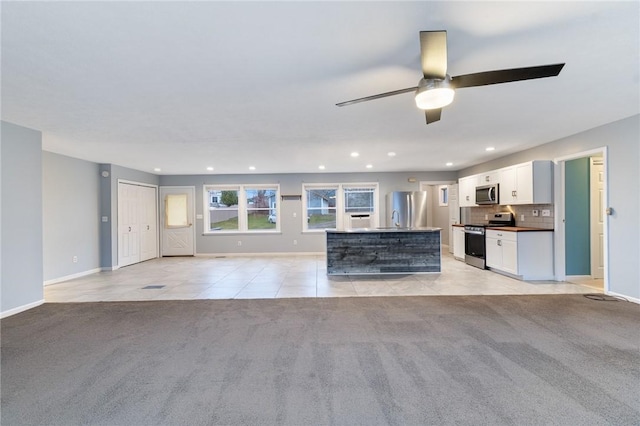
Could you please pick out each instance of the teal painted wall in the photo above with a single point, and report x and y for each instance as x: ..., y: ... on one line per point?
x: 578, y: 247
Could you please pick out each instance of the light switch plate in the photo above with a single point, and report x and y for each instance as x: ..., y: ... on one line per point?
x: 546, y: 213
x: 199, y: 216
x: 105, y: 218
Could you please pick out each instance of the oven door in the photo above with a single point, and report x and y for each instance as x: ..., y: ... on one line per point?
x: 474, y: 244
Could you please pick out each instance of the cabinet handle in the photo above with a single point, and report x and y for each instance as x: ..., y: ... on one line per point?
x: 467, y: 198
x: 147, y: 227
x: 499, y: 235
x: 499, y: 243
x: 486, y: 178
x: 129, y: 229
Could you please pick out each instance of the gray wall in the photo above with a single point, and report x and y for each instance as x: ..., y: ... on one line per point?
x: 290, y: 227
x: 21, y: 216
x: 71, y: 216
x: 623, y: 167
x: 109, y: 207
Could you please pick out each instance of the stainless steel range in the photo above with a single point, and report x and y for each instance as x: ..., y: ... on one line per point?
x: 474, y: 238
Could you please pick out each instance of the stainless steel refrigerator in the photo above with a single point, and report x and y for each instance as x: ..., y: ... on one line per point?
x: 407, y: 209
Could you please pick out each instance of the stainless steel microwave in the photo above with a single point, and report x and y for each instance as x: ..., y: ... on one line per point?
x: 487, y: 194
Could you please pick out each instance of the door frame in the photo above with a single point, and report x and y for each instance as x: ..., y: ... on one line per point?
x: 559, y: 212
x: 117, y: 221
x: 161, y: 214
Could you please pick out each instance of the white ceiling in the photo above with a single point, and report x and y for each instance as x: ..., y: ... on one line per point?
x: 183, y: 86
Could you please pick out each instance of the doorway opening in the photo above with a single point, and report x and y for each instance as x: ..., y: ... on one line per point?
x: 581, y: 222
x: 442, y: 208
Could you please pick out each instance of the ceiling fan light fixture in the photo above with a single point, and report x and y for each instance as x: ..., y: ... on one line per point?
x: 434, y: 94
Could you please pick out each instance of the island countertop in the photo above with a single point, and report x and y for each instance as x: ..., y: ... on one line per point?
x: 387, y: 229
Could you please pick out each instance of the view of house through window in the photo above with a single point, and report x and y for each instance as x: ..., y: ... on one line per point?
x: 241, y: 208
x: 321, y: 208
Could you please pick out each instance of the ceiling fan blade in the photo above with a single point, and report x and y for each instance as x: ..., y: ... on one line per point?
x: 378, y: 96
x: 433, y: 54
x: 505, y: 76
x: 432, y: 115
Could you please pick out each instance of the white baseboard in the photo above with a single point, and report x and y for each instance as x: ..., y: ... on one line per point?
x: 72, y: 276
x: 279, y: 254
x: 21, y: 309
x: 630, y: 299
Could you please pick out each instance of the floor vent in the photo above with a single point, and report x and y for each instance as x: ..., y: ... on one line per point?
x: 151, y: 287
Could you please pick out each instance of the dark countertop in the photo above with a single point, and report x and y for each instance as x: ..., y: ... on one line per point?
x: 512, y: 228
x: 518, y: 229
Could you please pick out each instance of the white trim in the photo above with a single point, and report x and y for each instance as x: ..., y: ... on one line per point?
x: 277, y: 254
x: 109, y: 268
x: 577, y: 277
x: 630, y: 299
x: 21, y: 308
x: 72, y: 276
x: 559, y: 212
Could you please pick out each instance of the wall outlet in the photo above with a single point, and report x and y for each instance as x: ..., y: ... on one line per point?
x: 199, y: 216
x: 239, y: 243
x: 535, y: 213
x: 521, y: 218
x: 295, y: 214
x: 75, y: 259
x: 295, y: 242
x: 105, y: 218
x: 546, y: 213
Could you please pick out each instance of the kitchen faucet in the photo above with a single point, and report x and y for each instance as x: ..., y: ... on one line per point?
x: 396, y: 224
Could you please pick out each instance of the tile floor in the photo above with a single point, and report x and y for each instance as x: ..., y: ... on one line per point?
x: 173, y: 278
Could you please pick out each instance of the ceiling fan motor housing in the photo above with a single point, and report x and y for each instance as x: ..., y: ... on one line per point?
x: 434, y: 93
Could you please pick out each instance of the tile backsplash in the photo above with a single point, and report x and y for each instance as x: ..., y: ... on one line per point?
x: 477, y: 214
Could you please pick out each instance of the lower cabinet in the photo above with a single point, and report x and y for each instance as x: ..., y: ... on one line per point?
x: 527, y: 255
x: 458, y: 242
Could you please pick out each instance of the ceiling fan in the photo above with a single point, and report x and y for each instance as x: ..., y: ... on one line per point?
x: 437, y: 88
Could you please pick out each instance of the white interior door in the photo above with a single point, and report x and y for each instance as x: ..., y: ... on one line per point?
x: 128, y: 226
x: 177, y: 219
x: 148, y: 198
x: 597, y: 217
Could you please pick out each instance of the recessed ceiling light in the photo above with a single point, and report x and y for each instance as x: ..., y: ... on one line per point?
x: 252, y: 168
x: 391, y: 154
x: 321, y: 167
x: 368, y: 166
x: 449, y: 164
x: 210, y: 168
x: 490, y: 148
x: 355, y: 154
x: 157, y: 169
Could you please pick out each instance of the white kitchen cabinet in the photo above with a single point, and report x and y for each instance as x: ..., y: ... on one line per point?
x: 526, y: 255
x: 527, y: 183
x: 467, y: 190
x: 458, y: 242
x: 489, y: 178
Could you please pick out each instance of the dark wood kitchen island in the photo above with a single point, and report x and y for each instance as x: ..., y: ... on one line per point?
x: 384, y: 251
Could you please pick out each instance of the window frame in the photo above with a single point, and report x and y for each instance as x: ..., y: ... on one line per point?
x: 442, y: 190
x: 341, y: 214
x: 243, y: 209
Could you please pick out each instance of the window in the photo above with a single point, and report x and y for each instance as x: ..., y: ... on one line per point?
x: 241, y: 208
x: 328, y: 206
x: 321, y: 208
x: 261, y: 209
x: 359, y: 200
x: 443, y: 195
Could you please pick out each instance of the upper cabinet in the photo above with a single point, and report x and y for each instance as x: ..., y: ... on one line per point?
x: 489, y: 178
x: 527, y: 183
x: 467, y: 190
